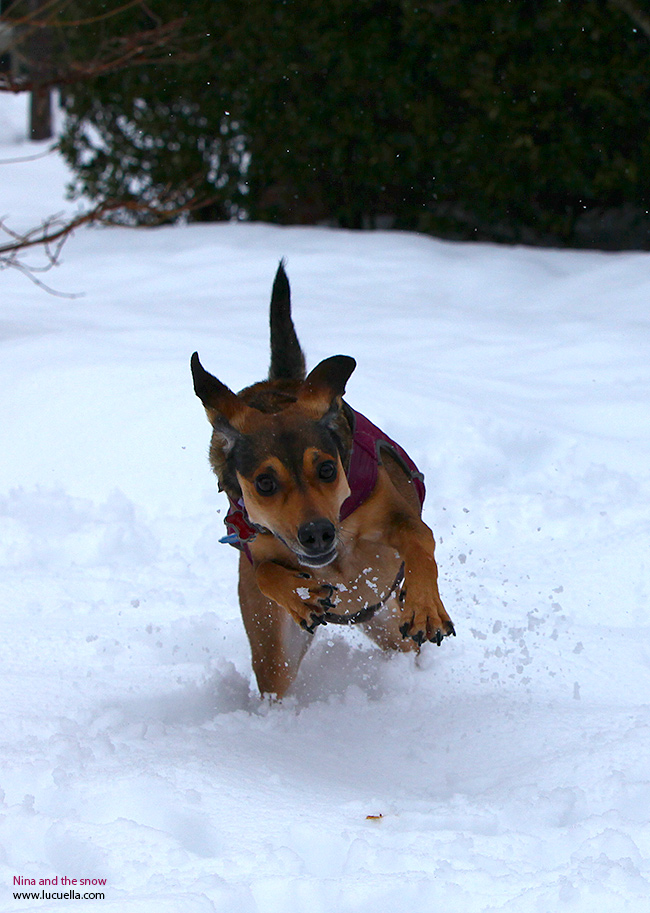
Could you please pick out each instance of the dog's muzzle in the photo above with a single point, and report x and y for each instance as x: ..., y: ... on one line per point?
x: 317, y: 540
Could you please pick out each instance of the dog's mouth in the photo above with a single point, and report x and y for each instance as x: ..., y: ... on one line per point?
x: 315, y: 542
x: 316, y: 560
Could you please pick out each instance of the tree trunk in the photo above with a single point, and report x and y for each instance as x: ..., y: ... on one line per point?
x: 39, y: 54
x: 40, y: 114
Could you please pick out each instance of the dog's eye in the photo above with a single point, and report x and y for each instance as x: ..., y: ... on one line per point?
x: 265, y: 484
x: 327, y: 471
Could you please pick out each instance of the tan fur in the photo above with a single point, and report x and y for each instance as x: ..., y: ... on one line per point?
x: 287, y: 513
x: 383, y: 532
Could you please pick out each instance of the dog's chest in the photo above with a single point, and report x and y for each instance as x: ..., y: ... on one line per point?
x: 363, y: 576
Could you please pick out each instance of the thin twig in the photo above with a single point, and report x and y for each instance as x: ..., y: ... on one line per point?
x: 54, y: 231
x: 163, y: 43
x: 29, y: 158
x: 152, y: 47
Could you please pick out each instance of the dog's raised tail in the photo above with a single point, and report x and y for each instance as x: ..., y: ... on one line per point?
x: 287, y: 358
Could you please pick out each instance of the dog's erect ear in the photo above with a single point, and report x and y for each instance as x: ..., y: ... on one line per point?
x: 329, y: 378
x: 220, y: 403
x: 214, y: 395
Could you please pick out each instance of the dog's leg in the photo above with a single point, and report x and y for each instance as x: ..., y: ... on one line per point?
x: 392, y: 516
x: 303, y: 598
x: 277, y: 643
x: 423, y: 615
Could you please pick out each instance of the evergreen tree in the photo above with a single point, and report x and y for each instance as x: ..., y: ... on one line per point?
x: 515, y: 121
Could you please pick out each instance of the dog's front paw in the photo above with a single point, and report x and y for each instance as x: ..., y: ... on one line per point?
x: 425, y: 623
x: 312, y: 602
x: 305, y: 599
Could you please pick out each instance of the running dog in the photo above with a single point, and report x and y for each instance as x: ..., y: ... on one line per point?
x: 324, y: 507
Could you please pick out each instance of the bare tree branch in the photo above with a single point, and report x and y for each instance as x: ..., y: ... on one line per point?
x: 162, y: 43
x: 51, y: 235
x: 27, y: 158
x: 43, y: 64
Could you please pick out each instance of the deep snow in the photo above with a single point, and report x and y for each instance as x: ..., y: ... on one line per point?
x: 510, y: 767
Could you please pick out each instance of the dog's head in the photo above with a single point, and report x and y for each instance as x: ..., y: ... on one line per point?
x: 284, y: 446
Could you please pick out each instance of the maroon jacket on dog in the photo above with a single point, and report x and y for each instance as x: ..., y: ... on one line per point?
x: 367, y: 444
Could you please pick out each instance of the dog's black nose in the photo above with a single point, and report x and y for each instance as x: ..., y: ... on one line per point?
x: 317, y: 536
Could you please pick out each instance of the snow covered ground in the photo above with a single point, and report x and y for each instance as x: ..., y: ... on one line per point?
x: 508, y: 770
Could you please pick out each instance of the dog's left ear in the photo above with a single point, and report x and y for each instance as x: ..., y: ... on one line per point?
x: 328, y: 379
x: 323, y: 390
x: 325, y: 387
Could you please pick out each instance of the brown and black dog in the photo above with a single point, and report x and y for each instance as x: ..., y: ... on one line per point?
x: 324, y: 507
